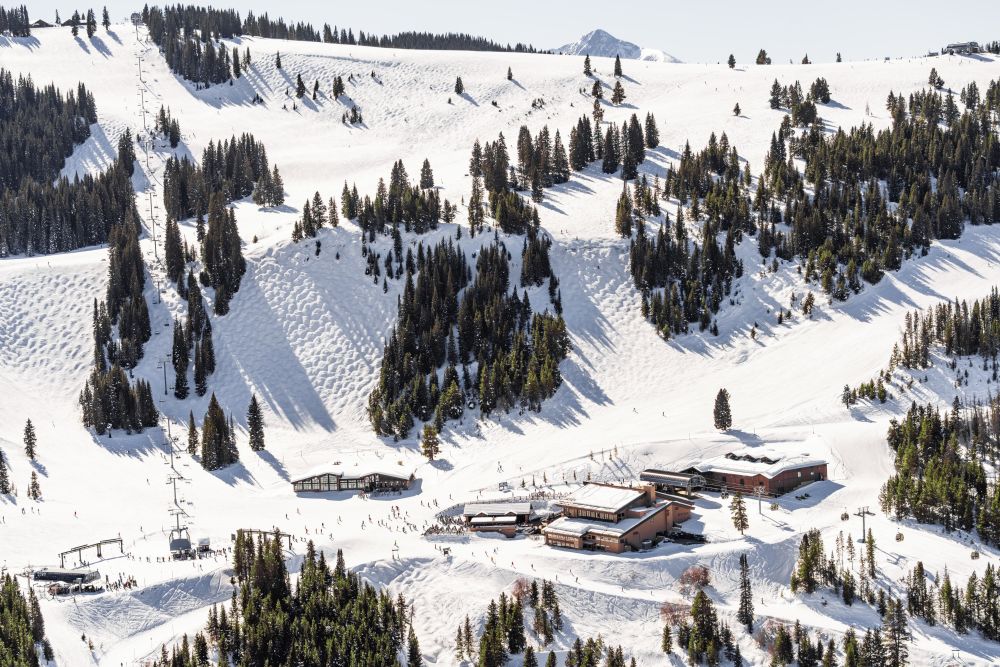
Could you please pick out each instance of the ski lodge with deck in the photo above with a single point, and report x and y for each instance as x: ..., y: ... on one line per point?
x: 501, y: 518
x: 962, y: 48
x: 777, y: 472
x: 367, y: 481
x: 605, y: 517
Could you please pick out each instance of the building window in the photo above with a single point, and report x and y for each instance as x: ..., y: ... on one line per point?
x: 799, y: 473
x: 741, y: 481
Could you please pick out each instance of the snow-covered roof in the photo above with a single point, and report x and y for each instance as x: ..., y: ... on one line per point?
x: 490, y: 520
x: 768, y: 462
x: 602, y: 498
x: 579, y: 526
x: 496, y: 509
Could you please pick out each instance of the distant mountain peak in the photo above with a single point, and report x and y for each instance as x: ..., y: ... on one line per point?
x: 602, y: 44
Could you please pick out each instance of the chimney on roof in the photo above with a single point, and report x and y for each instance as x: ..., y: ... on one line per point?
x: 650, y: 492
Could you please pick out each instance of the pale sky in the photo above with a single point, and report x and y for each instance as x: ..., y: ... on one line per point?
x: 702, y: 31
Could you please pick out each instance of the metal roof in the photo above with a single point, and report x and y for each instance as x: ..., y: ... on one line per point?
x: 654, y: 475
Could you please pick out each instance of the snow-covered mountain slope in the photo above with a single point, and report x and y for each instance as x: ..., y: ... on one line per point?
x: 600, y: 43
x: 305, y: 334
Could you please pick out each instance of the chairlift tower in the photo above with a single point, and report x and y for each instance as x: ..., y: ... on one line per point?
x: 759, y: 492
x: 863, y: 512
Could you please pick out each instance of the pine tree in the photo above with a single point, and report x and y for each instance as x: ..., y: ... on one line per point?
x: 775, y: 99
x: 34, y: 491
x: 618, y: 66
x: 277, y: 188
x: 732, y: 61
x: 255, y: 424
x: 300, y: 86
x: 459, y: 644
x: 745, y: 613
x: 738, y: 507
x: 4, y: 477
x: 623, y: 214
x: 667, y: 641
x: 587, y: 71
x: 413, y: 657
x: 736, y: 109
x: 180, y: 361
x: 218, y: 447
x: 76, y: 24
x: 173, y: 251
x: 105, y: 19
x: 200, y: 377
x: 870, y: 553
x: 30, y: 440
x: 529, y: 658
x: 467, y: 636
x: 426, y: 175
x: 277, y: 60
x: 896, y: 635
x: 35, y: 616
x: 91, y: 24
x: 652, y: 133
x: 430, y: 445
x: 192, y: 434
x: 459, y: 86
x: 618, y: 94
x: 510, y: 74
x: 722, y: 414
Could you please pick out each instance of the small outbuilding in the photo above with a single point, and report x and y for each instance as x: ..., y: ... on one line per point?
x: 668, y: 481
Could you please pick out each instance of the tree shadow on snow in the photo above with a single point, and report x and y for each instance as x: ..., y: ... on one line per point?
x: 290, y: 394
x: 101, y: 47
x: 269, y: 458
x: 31, y: 43
x: 469, y: 98
x: 135, y: 445
x: 922, y: 274
x: 834, y: 104
x: 234, y: 474
x: 442, y: 464
x: 747, y: 439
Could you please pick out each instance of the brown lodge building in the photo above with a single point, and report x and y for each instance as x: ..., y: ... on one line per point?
x: 604, y: 517
x: 777, y: 472
x: 352, y: 479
